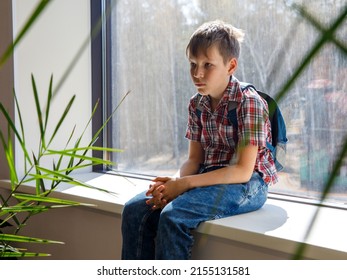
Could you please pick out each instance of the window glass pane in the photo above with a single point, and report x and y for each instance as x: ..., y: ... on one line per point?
x: 149, y: 38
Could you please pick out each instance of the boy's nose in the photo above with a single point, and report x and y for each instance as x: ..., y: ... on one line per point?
x: 198, y: 73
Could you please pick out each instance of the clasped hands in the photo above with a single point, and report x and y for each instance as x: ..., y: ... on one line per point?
x: 163, y: 190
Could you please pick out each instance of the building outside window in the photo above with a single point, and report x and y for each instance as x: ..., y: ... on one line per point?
x: 147, y: 41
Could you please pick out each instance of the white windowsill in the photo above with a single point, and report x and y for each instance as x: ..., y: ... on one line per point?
x: 279, y: 225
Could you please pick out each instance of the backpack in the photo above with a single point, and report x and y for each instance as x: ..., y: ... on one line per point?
x: 278, y: 126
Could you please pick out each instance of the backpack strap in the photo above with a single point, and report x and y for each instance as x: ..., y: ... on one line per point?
x: 273, y: 109
x: 278, y: 127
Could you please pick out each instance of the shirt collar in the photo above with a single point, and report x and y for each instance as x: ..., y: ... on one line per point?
x: 233, y: 92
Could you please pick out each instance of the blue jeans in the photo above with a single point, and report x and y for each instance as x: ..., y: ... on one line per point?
x: 166, y: 233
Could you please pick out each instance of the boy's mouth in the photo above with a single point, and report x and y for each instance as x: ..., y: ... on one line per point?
x: 199, y: 85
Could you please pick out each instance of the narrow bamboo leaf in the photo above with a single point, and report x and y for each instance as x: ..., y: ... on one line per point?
x: 20, y: 238
x: 6, y: 220
x: 46, y: 199
x: 5, y: 223
x: 95, y: 148
x: 70, y: 137
x: 22, y: 254
x: 19, y: 209
x: 49, y: 101
x: 20, y: 119
x: 95, y: 31
x: 10, y: 158
x: 60, y: 160
x: 320, y: 27
x: 72, y: 181
x: 84, y: 158
x: 325, y: 37
x: 14, y: 129
x: 7, y: 251
x: 33, y: 17
x: 54, y: 178
x: 96, y: 135
x: 40, y: 184
x: 85, y: 128
x: 66, y: 111
x: 36, y: 209
x: 68, y: 170
x: 88, y: 123
x: 8, y: 217
x: 72, y: 159
x: 39, y: 113
x: 50, y: 177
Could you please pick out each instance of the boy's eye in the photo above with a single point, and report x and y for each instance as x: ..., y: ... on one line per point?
x: 192, y: 65
x: 208, y: 65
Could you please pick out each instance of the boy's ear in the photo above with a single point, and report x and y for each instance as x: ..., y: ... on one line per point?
x: 232, y: 66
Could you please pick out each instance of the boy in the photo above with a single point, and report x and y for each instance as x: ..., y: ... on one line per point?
x: 226, y: 173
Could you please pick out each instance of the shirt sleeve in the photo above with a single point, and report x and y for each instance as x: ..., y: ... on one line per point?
x: 193, y: 131
x: 253, y: 121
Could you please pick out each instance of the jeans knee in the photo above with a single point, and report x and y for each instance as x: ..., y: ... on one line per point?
x: 126, y: 210
x: 134, y: 207
x: 168, y: 215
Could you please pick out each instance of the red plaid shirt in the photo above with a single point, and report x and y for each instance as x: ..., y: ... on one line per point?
x: 216, y: 135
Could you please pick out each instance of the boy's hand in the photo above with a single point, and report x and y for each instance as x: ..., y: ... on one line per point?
x: 164, y: 190
x: 157, y: 197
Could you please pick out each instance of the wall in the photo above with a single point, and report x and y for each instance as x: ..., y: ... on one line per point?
x: 48, y: 49
x: 6, y: 73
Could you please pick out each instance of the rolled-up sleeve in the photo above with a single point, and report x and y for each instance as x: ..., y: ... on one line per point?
x: 193, y: 131
x: 252, y: 121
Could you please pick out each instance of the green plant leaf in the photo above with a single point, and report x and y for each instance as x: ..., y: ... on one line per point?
x: 20, y: 238
x: 18, y: 209
x: 39, y: 113
x: 56, y: 167
x: 70, y: 180
x: 7, y: 251
x: 28, y: 24
x: 21, y: 254
x: 82, y: 157
x: 96, y: 135
x: 45, y: 199
x: 49, y: 101
x: 327, y: 35
x: 324, y: 38
x: 8, y: 149
x: 304, y: 13
x: 66, y: 111
x: 14, y: 129
x: 20, y: 119
x: 40, y: 184
x: 95, y: 32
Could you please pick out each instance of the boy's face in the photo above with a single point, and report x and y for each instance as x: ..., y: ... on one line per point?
x: 209, y: 73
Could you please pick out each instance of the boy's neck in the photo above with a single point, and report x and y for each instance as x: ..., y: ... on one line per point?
x: 214, y: 103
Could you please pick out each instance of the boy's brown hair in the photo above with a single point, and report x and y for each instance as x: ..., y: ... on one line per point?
x: 225, y: 36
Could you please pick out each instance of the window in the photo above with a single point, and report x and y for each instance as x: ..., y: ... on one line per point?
x: 147, y: 56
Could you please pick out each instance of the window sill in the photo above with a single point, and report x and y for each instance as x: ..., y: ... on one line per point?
x: 280, y: 225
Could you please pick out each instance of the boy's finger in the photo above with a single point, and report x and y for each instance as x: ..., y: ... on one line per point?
x: 155, y: 188
x: 161, y: 179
